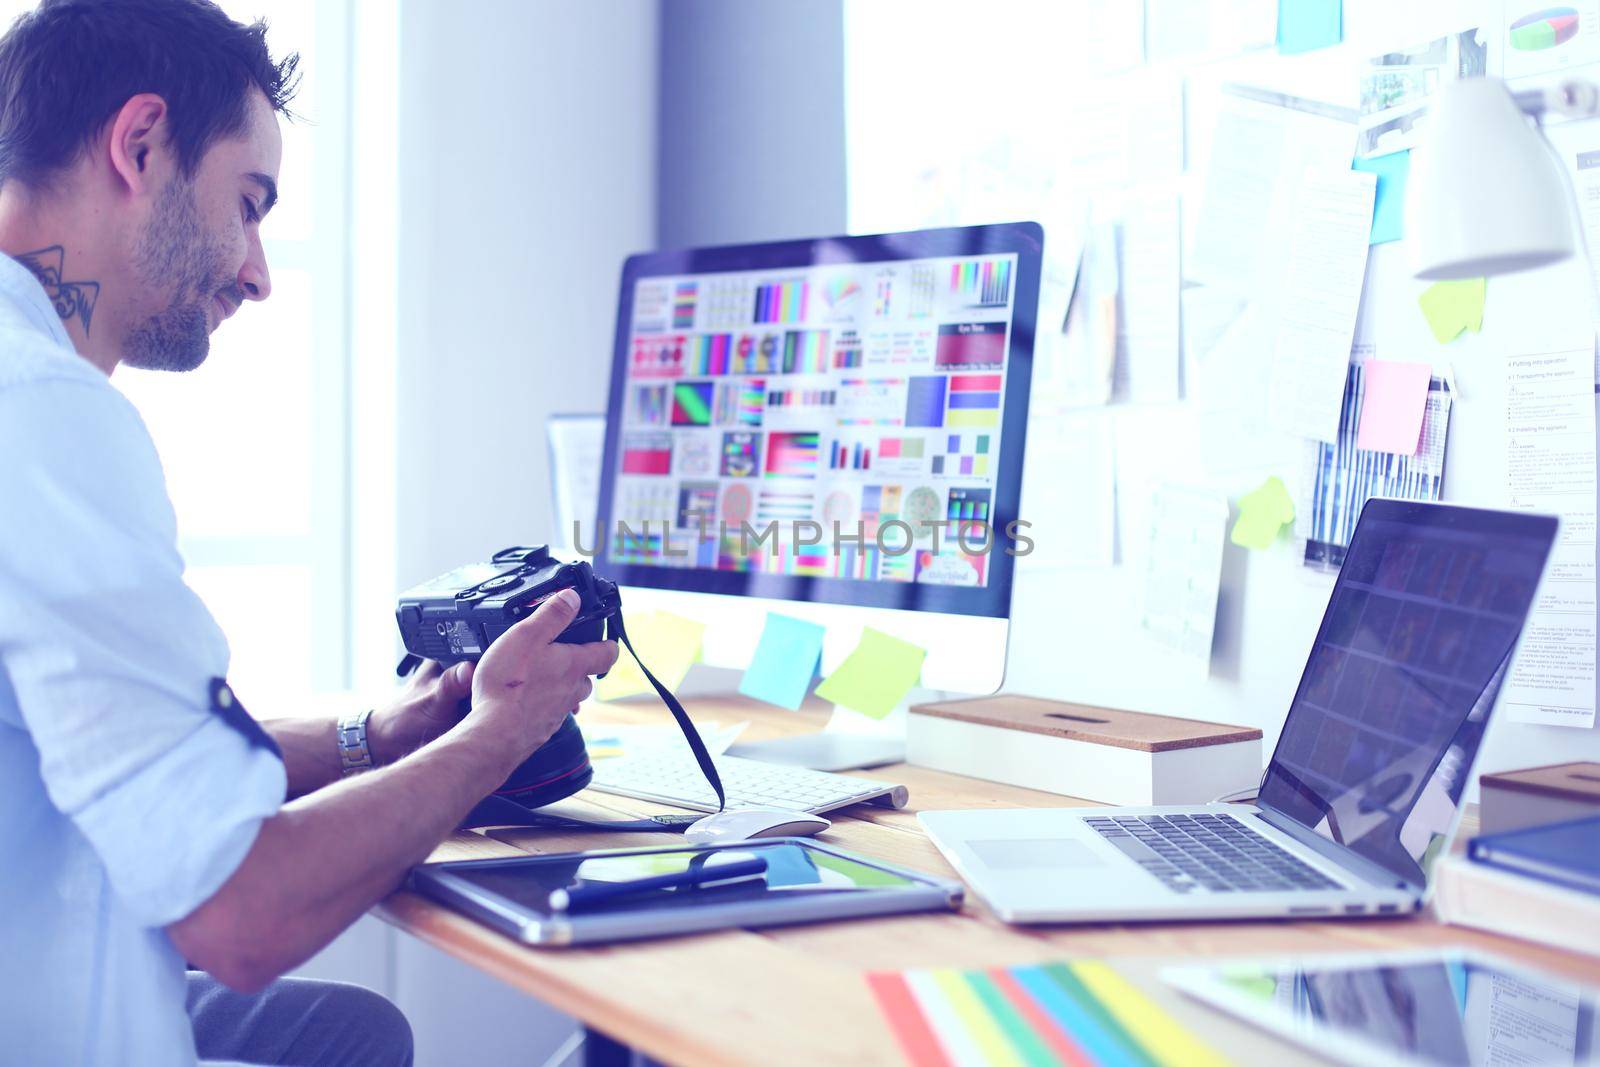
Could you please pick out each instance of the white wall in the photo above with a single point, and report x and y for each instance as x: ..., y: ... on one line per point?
x: 527, y: 145
x: 751, y: 120
x: 526, y: 175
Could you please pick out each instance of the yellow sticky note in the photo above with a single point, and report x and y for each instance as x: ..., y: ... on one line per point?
x: 669, y: 645
x: 876, y: 676
x: 1451, y: 307
x: 1262, y: 513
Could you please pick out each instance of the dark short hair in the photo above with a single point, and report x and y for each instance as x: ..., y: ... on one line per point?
x: 68, y: 67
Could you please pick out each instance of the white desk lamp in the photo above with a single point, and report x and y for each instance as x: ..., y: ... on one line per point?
x: 1487, y: 194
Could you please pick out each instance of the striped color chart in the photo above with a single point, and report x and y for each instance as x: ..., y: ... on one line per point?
x: 982, y: 284
x: 1081, y: 1014
x: 783, y: 302
x: 805, y: 352
x: 712, y: 353
x: 974, y: 401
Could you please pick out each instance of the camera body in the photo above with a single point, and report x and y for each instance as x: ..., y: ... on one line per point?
x: 457, y: 616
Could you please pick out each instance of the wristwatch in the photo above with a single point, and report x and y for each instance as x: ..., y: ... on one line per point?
x: 355, y: 755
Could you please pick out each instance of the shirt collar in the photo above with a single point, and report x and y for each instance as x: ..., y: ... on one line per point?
x: 22, y: 290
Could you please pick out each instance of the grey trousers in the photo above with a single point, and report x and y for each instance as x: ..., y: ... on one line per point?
x: 296, y: 1022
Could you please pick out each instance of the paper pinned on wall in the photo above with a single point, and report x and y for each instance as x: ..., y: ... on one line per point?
x: 1263, y: 513
x: 875, y: 677
x: 1084, y: 357
x: 1306, y: 25
x: 1454, y: 306
x: 1541, y: 44
x: 668, y: 644
x: 1126, y: 129
x: 1261, y: 144
x: 1147, y: 365
x: 1578, y: 145
x: 1391, y: 416
x: 1550, y: 450
x: 1317, y: 300
x: 1339, y: 478
x: 1396, y: 87
x: 1069, y: 494
x: 577, y: 449
x: 1183, y: 571
x: 786, y: 659
x: 1204, y: 29
x: 1388, y: 212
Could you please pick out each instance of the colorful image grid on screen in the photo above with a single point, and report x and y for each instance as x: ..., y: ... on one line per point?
x: 767, y: 411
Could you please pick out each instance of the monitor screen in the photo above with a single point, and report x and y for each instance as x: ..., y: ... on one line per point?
x: 836, y: 420
x: 1412, y: 651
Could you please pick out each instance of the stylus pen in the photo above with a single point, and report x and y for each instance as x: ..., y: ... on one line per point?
x: 591, y: 893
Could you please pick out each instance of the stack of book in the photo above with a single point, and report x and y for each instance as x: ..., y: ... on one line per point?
x: 1535, y: 873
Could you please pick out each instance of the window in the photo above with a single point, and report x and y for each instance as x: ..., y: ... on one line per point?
x: 256, y: 442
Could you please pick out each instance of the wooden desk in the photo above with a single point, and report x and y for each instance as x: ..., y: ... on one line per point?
x: 796, y: 995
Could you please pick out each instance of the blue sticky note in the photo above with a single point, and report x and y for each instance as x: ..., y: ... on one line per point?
x: 1306, y: 25
x: 786, y: 661
x: 1388, y: 211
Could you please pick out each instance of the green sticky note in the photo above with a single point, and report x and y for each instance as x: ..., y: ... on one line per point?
x: 1306, y: 25
x: 668, y: 644
x: 785, y: 661
x: 1388, y: 207
x: 876, y: 676
x: 1262, y: 513
x: 1451, y: 307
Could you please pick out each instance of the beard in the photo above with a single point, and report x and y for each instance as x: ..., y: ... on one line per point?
x: 175, y: 254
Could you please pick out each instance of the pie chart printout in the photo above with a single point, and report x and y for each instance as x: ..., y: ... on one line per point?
x: 1544, y: 29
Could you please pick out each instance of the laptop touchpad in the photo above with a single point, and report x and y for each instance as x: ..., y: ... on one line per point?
x: 1043, y: 854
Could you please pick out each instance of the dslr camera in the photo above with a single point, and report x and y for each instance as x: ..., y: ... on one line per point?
x: 458, y: 615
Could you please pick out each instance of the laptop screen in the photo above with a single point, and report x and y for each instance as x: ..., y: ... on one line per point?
x: 1413, y: 649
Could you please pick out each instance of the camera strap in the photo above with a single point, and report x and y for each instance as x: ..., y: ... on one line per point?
x: 690, y: 734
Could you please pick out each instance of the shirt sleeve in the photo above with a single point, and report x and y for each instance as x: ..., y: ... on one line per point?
x: 111, y: 654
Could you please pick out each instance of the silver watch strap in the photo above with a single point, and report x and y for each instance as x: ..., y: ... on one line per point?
x: 355, y: 755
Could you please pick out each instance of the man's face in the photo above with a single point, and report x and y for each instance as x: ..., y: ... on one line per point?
x: 199, y: 256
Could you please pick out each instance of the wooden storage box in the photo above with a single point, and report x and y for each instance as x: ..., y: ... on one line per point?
x: 1102, y: 754
x: 1512, y: 800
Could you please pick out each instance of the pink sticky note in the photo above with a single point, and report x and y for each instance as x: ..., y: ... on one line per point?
x: 1392, y: 403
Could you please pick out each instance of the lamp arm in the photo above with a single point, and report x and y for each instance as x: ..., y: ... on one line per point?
x: 1573, y: 99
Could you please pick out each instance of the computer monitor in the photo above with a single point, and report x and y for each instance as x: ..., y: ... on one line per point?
x: 829, y: 428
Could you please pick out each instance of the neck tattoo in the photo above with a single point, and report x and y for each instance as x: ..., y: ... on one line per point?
x: 70, y: 298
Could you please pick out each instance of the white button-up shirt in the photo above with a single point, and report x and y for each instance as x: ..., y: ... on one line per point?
x: 124, y: 801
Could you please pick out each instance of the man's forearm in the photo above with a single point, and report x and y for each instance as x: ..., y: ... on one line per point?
x: 328, y: 856
x: 310, y: 752
x: 311, y: 746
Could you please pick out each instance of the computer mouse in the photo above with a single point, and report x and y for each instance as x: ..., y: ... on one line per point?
x: 747, y: 823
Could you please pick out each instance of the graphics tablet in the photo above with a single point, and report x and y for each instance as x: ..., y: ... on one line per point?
x: 1407, y: 1007
x: 804, y: 882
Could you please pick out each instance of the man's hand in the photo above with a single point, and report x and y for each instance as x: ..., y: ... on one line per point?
x: 527, y: 683
x: 325, y: 857
x: 429, y: 705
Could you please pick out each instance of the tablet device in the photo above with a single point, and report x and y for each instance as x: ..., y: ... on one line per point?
x: 805, y: 881
x: 1443, y: 1007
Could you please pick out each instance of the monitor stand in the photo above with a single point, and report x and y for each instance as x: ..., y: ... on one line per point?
x: 851, y: 741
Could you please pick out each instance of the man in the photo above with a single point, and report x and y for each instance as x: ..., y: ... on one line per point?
x: 145, y: 820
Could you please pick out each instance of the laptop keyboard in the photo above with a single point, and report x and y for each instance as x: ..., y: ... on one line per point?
x: 1217, y: 853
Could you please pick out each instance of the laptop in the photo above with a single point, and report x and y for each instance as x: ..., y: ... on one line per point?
x: 1365, y: 787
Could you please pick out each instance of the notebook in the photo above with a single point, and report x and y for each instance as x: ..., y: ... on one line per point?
x: 1563, y: 852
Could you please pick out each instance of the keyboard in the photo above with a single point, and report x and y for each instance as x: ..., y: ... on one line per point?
x: 673, y: 778
x: 1211, y: 853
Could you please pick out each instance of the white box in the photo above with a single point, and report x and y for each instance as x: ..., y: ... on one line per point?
x: 1100, y: 754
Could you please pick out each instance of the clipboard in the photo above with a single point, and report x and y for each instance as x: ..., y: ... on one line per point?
x: 806, y: 881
